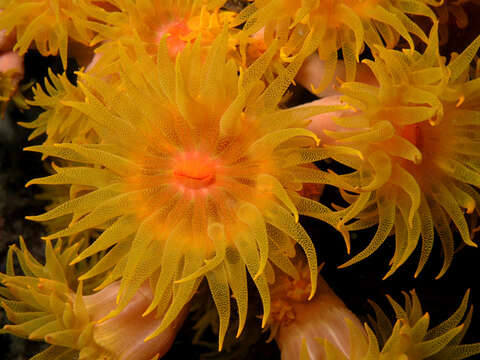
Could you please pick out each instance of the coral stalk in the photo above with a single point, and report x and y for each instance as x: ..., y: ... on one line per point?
x: 324, y: 318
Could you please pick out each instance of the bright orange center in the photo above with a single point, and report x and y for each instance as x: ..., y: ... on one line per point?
x: 194, y: 170
x: 175, y: 31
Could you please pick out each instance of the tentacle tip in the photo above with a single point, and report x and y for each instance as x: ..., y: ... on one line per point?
x: 148, y: 311
x: 315, y: 90
x: 390, y: 273
x: 100, y: 287
x: 48, y: 339
x: 284, y: 57
x: 110, y: 315
x: 344, y: 265
x: 29, y: 148
x: 440, y: 274
x: 346, y: 236
x: 264, y: 321
x: 149, y: 337
x: 75, y: 261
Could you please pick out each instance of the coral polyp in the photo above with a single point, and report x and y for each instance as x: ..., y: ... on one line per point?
x: 58, y: 122
x: 409, y: 337
x: 48, y: 303
x: 415, y: 130
x: 332, y: 25
x: 47, y: 24
x: 193, y: 182
x: 180, y: 22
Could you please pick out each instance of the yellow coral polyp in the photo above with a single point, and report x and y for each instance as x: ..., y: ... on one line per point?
x: 346, y: 25
x: 60, y: 123
x: 409, y: 337
x: 196, y: 175
x: 180, y: 21
x: 47, y: 24
x: 43, y: 305
x: 417, y: 132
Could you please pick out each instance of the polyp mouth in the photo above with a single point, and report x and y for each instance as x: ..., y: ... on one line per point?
x: 194, y: 170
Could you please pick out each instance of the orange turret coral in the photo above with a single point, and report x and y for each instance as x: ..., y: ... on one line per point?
x: 415, y: 131
x: 180, y: 22
x: 409, y: 337
x: 334, y: 25
x: 47, y: 24
x: 180, y: 176
x: 44, y: 305
x: 183, y: 158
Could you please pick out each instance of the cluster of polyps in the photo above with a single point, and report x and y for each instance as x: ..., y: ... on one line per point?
x: 180, y: 162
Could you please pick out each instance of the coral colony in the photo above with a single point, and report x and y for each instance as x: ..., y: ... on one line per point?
x: 180, y: 169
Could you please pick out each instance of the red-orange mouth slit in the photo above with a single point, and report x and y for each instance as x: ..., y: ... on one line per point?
x: 194, y: 171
